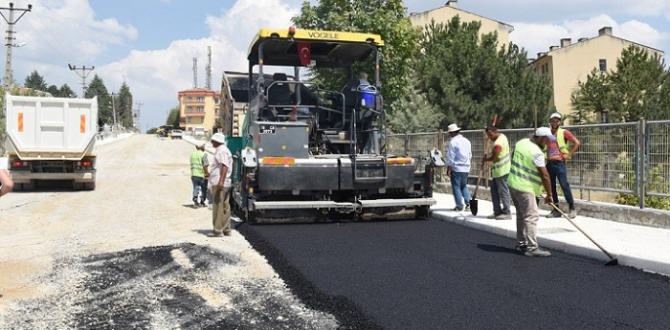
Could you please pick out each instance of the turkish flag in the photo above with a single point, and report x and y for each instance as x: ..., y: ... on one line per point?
x: 305, y: 53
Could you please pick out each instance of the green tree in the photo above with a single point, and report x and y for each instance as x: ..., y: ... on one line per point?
x: 469, y: 78
x: 97, y: 88
x: 124, y: 106
x: 385, y: 17
x: 173, y: 117
x: 639, y: 87
x: 66, y: 91
x: 35, y: 81
x: 53, y: 90
x: 592, y: 97
x: 413, y: 113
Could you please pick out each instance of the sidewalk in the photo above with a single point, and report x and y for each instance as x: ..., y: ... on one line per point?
x: 640, y: 247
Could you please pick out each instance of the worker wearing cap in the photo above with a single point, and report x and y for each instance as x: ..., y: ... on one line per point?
x: 558, y: 152
x: 459, y: 153
x: 499, y: 156
x: 199, y: 175
x: 527, y: 176
x: 220, y: 185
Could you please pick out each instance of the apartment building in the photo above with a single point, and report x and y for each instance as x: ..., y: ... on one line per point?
x: 570, y: 62
x: 445, y: 13
x: 198, y: 110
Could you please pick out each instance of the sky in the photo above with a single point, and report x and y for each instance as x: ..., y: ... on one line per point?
x: 150, y: 44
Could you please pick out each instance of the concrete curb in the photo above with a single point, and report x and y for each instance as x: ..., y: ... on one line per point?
x: 620, y: 213
x: 592, y: 253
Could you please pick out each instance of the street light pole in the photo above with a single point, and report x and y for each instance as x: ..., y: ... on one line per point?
x: 9, y: 19
x: 85, y: 71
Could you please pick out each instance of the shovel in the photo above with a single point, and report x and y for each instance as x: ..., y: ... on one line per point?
x: 474, y: 203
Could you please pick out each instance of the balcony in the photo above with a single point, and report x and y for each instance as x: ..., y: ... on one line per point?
x: 194, y: 113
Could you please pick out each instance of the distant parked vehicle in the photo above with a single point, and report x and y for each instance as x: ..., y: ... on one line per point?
x: 176, y: 134
x: 198, y: 132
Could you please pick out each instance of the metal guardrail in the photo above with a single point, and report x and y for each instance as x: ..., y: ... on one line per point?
x: 630, y: 158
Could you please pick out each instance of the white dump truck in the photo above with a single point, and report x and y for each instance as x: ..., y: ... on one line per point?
x: 51, y: 139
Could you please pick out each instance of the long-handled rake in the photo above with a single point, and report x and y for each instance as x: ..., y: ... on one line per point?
x: 612, y: 262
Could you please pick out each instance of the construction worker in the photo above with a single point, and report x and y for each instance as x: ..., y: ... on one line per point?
x: 499, y: 156
x: 6, y: 183
x: 527, y: 176
x: 459, y: 154
x: 220, y: 185
x: 198, y: 175
x: 558, y: 152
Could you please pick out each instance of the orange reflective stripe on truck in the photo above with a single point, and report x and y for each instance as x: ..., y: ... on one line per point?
x: 82, y: 124
x: 20, y: 122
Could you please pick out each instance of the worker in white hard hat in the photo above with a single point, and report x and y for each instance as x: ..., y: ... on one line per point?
x: 527, y: 177
x: 558, y: 152
x: 220, y: 185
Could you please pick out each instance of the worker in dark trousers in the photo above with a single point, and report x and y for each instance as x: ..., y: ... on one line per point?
x: 558, y: 153
x: 499, y: 156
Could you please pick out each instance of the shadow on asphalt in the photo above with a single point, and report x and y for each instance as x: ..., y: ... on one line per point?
x: 496, y: 249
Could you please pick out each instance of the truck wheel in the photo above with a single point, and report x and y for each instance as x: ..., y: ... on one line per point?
x: 89, y: 186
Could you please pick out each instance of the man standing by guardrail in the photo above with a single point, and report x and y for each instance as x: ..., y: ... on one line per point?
x: 499, y: 156
x: 459, y: 153
x: 558, y: 152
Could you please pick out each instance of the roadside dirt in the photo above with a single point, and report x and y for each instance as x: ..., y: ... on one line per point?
x: 134, y: 254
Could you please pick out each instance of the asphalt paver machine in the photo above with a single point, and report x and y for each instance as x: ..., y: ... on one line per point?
x: 309, y: 153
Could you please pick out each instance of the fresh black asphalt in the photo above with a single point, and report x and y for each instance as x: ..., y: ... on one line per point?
x: 437, y: 275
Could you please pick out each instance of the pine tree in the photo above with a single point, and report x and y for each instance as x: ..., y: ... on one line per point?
x: 35, y: 81
x: 53, y: 90
x: 66, y: 91
x: 124, y: 106
x: 469, y: 78
x: 97, y: 88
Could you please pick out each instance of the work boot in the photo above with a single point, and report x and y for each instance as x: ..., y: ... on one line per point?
x: 226, y: 232
x: 195, y: 202
x: 554, y: 214
x: 457, y: 209
x: 521, y: 247
x: 493, y: 216
x: 537, y: 252
x: 467, y: 207
x: 504, y: 216
x: 572, y: 214
x: 202, y: 203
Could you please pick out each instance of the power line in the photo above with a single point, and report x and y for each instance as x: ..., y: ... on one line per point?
x: 9, y: 19
x: 83, y: 73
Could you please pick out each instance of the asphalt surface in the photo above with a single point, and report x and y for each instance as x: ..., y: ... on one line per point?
x: 436, y: 275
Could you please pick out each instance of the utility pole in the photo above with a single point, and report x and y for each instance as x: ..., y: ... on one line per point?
x: 209, y: 68
x: 9, y: 19
x: 113, y: 112
x: 83, y: 73
x: 136, y: 115
x: 195, y: 72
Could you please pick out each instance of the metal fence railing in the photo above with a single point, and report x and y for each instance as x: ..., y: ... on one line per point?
x: 630, y: 158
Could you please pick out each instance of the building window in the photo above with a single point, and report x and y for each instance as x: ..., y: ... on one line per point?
x: 201, y: 99
x: 602, y: 64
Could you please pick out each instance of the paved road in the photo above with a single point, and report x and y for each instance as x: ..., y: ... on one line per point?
x: 133, y: 254
x: 436, y: 275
